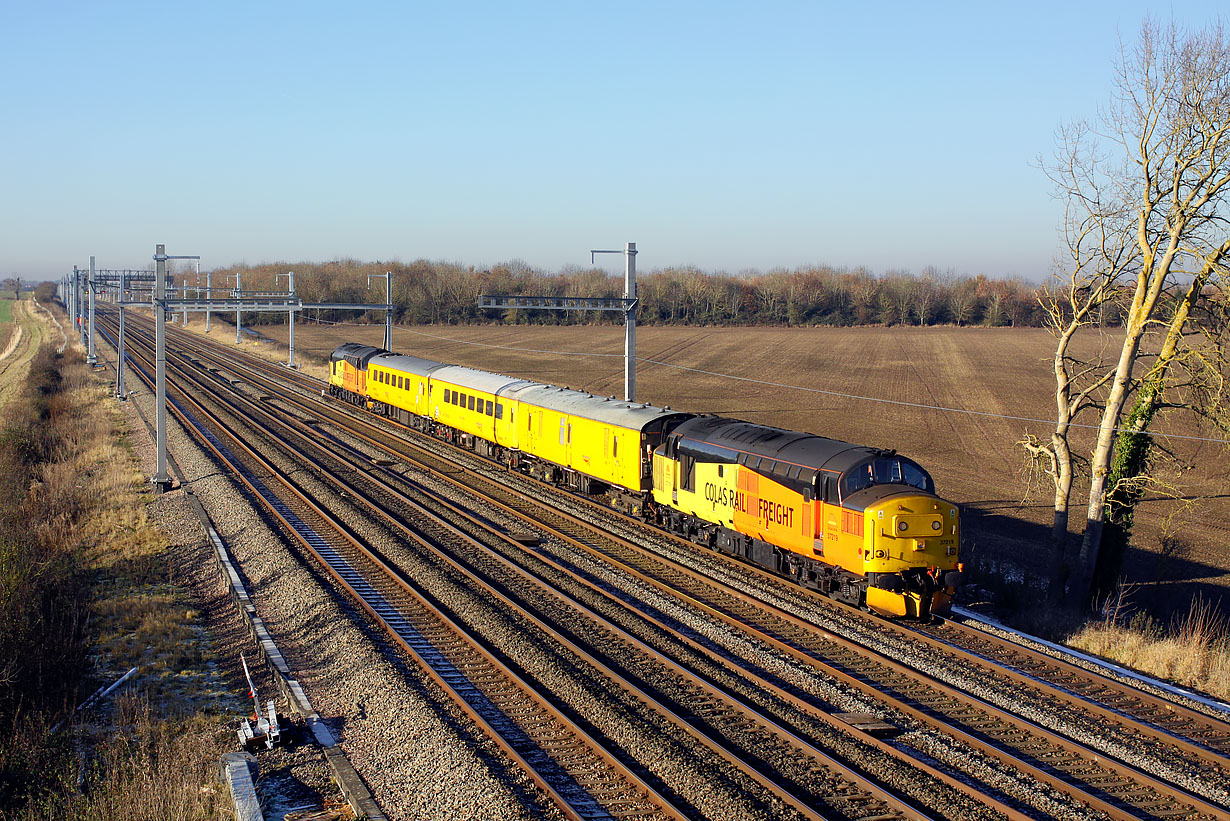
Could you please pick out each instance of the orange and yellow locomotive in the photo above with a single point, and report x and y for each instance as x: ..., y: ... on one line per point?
x: 860, y: 524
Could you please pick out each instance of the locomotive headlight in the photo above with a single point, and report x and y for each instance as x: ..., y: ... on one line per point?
x: 935, y: 525
x: 903, y: 526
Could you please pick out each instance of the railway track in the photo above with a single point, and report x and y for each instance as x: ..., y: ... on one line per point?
x: 1046, y: 762
x: 816, y: 780
x: 574, y: 770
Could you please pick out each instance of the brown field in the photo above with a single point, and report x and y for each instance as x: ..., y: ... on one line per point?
x: 812, y: 379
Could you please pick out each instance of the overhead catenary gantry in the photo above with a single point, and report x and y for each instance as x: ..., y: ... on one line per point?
x: 627, y: 305
x: 128, y: 293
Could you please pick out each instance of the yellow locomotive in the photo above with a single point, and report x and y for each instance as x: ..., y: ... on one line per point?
x: 860, y: 524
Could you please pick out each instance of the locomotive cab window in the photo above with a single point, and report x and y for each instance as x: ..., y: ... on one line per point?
x: 892, y: 470
x: 499, y: 410
x: 687, y: 471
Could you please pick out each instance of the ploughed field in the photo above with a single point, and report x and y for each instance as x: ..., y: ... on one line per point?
x: 992, y: 373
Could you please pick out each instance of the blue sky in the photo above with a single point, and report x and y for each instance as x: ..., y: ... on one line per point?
x: 723, y: 135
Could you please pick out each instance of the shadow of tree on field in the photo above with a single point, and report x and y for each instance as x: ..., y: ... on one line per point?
x: 1003, y: 548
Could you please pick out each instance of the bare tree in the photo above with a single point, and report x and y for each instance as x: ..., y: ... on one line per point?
x: 1099, y: 253
x: 1167, y: 193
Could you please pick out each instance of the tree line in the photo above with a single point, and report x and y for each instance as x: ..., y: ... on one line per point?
x: 434, y: 292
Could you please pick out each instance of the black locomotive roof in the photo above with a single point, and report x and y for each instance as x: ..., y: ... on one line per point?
x: 355, y: 354
x: 740, y: 441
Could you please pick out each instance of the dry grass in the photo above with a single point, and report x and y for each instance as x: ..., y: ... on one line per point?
x: 1192, y: 650
x: 152, y: 770
x: 81, y: 496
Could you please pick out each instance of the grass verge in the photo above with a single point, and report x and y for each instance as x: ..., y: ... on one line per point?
x: 1192, y: 650
x: 87, y: 591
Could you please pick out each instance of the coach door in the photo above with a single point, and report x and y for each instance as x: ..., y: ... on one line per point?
x: 531, y: 435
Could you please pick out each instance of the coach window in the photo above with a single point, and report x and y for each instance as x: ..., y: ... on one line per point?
x: 399, y: 383
x: 470, y: 403
x: 499, y: 410
x: 490, y: 408
x: 448, y: 396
